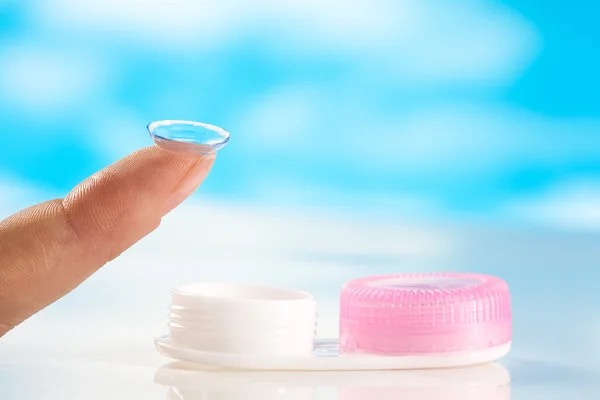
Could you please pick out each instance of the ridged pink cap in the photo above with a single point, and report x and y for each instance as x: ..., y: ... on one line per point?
x: 424, y: 313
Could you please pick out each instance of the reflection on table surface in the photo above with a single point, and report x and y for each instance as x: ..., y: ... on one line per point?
x: 189, y: 382
x: 32, y: 378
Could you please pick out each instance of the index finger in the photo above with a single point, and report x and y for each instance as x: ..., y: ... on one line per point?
x: 49, y: 249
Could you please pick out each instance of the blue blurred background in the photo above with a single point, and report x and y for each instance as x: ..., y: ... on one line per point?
x: 469, y: 109
x: 367, y: 136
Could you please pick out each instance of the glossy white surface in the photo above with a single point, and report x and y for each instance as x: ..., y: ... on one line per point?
x: 326, y: 357
x: 97, y: 343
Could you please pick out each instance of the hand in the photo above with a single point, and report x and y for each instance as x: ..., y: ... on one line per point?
x: 49, y: 249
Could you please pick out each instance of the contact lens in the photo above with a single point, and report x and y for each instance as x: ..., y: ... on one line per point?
x: 188, y: 136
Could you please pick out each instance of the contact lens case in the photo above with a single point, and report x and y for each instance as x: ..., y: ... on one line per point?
x: 393, y: 322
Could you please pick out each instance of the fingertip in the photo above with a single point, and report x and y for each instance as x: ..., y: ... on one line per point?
x: 127, y: 200
x: 190, y: 182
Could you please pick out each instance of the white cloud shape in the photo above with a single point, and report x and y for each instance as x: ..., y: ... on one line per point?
x: 196, y: 23
x: 570, y: 205
x: 413, y: 40
x: 46, y: 80
x: 267, y: 231
x: 465, y: 41
x: 283, y: 119
x: 470, y: 141
x: 168, y: 23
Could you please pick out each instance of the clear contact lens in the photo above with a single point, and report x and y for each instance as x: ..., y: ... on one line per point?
x: 188, y: 136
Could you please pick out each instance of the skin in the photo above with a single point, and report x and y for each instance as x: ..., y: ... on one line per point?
x: 49, y: 249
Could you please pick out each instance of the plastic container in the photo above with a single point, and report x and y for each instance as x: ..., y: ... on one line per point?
x: 388, y: 322
x: 243, y: 319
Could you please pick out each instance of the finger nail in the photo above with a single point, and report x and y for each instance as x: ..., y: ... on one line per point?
x: 190, y: 182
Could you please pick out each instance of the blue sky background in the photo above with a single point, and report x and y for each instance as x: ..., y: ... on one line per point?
x: 427, y: 109
x: 440, y: 112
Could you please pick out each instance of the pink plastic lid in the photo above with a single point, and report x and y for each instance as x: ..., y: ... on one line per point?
x: 424, y: 313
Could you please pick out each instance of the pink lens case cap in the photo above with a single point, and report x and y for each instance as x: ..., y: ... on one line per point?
x: 424, y: 313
